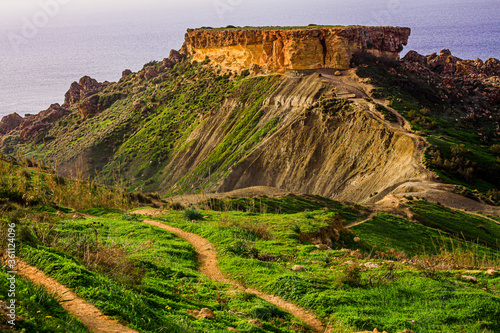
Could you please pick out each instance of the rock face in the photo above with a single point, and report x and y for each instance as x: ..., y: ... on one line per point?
x: 89, y: 106
x: 9, y: 123
x: 35, y: 124
x: 455, y: 72
x: 447, y: 64
x: 87, y: 86
x: 274, y: 51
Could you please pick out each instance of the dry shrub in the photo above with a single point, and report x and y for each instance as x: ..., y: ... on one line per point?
x: 351, y: 275
x: 391, y: 254
x: 260, y: 230
x: 326, y: 235
x: 354, y: 253
x: 458, y: 256
x: 115, y: 262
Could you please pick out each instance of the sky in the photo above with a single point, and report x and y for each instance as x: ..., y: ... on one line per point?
x: 68, y: 12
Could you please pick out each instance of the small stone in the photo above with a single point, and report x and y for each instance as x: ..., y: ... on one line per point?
x: 338, y: 73
x: 256, y: 322
x: 194, y: 313
x: 371, y: 265
x: 472, y: 279
x: 298, y: 268
x: 203, y: 314
x: 357, y: 239
x: 206, y: 313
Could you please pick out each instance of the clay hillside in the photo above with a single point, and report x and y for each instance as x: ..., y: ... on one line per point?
x: 261, y: 179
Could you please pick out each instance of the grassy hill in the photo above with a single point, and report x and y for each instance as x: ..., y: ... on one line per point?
x: 387, y: 273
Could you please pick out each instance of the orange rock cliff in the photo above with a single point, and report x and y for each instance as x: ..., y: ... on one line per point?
x: 275, y: 51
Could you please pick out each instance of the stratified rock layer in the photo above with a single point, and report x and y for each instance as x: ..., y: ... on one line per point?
x: 274, y: 51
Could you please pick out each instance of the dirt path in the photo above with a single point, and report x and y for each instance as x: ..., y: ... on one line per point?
x: 483, y: 216
x: 207, y: 257
x: 372, y: 215
x: 88, y: 314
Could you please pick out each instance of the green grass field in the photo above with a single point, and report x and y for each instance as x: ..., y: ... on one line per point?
x: 147, y: 278
x: 260, y: 250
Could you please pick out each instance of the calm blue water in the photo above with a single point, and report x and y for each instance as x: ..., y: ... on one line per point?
x: 38, y: 72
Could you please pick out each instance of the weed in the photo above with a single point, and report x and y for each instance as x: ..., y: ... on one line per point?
x: 352, y: 275
x: 192, y: 214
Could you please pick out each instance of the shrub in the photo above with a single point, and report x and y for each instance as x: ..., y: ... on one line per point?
x: 495, y: 149
x: 352, y: 275
x: 192, y: 214
x: 243, y: 248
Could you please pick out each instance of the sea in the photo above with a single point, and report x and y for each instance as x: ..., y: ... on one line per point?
x: 43, y: 50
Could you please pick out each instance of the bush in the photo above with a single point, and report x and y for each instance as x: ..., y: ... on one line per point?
x: 495, y: 149
x: 243, y: 248
x: 192, y: 214
x: 352, y: 275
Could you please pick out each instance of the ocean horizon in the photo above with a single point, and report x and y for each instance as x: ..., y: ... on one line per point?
x: 38, y: 69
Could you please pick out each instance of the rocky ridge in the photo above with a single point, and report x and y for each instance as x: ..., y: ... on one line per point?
x: 277, y: 50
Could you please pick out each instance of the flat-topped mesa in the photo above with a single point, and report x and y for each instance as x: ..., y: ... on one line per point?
x: 277, y: 50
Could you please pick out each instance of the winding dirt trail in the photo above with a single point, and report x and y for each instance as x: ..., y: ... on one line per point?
x: 207, y: 257
x: 372, y: 215
x: 88, y: 314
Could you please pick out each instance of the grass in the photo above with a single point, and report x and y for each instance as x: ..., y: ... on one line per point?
x: 432, y: 243
x: 36, y: 310
x: 392, y: 296
x: 24, y: 183
x: 457, y: 224
x: 287, y: 204
x: 377, y: 277
x: 151, y: 281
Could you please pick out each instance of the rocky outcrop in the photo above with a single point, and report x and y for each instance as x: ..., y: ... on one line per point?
x: 447, y: 64
x: 33, y: 125
x: 89, y: 106
x: 274, y: 51
x: 9, y: 123
x: 176, y: 57
x: 126, y: 73
x: 453, y: 72
x: 87, y: 86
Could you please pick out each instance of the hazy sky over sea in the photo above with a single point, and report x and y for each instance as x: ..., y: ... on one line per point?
x: 71, y: 12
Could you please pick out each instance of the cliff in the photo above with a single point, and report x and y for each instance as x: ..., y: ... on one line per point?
x: 274, y: 51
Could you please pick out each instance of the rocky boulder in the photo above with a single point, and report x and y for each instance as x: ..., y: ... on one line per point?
x: 176, y: 57
x: 33, y: 125
x: 126, y: 73
x: 10, y: 123
x: 204, y: 313
x: 89, y: 106
x: 491, y: 67
x: 167, y: 63
x: 150, y: 72
x: 87, y: 86
x: 138, y: 104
